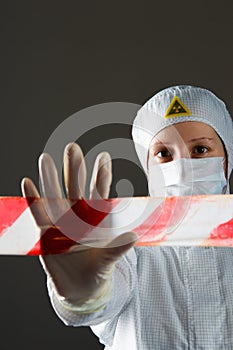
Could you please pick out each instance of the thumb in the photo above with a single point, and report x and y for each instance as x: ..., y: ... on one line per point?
x: 119, y: 246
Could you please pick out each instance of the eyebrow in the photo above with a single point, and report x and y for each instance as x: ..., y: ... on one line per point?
x: 192, y: 140
x: 201, y: 139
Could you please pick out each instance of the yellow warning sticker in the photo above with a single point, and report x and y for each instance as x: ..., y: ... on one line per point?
x: 177, y: 109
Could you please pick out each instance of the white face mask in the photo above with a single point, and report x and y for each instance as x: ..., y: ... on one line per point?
x: 187, y: 176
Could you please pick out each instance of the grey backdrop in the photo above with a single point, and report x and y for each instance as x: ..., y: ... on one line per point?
x: 58, y: 57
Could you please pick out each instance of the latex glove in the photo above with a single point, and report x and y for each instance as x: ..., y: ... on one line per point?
x: 82, y: 278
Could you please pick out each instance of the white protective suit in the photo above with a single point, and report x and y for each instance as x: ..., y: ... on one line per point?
x: 168, y: 298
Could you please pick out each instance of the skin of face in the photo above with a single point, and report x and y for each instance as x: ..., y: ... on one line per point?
x: 186, y: 139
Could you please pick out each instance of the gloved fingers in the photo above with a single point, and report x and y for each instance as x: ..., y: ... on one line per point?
x: 54, y: 205
x: 49, y: 177
x: 101, y: 177
x: 74, y: 171
x: 29, y: 190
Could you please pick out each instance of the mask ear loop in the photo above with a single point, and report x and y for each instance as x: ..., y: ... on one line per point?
x: 225, y: 159
x: 225, y: 170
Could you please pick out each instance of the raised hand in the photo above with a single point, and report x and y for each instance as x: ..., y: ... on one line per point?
x: 82, y: 277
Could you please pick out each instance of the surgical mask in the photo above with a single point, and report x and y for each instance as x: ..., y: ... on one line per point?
x: 187, y: 176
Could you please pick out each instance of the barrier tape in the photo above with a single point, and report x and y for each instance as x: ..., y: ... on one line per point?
x: 187, y: 221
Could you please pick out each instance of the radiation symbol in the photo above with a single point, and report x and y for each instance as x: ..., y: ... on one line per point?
x: 177, y: 109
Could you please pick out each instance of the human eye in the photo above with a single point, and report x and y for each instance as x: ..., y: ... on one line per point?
x: 199, y: 150
x: 163, y: 154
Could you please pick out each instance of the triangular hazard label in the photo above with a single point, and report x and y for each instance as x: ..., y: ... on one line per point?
x: 177, y: 109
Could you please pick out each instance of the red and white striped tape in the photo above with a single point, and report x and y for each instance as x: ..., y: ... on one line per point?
x: 196, y: 221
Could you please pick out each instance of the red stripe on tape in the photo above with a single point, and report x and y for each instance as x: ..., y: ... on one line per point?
x: 168, y: 214
x: 10, y: 209
x: 73, y: 226
x: 222, y: 235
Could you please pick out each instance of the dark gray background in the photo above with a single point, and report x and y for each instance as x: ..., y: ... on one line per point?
x: 59, y: 57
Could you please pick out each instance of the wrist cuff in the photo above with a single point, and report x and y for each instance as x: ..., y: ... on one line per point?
x: 91, y: 305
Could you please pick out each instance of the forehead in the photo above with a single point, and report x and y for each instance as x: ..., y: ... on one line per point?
x: 185, y: 132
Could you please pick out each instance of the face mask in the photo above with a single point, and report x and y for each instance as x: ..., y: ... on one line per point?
x: 186, y: 176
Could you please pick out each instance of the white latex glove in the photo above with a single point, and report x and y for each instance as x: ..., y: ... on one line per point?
x: 81, y: 278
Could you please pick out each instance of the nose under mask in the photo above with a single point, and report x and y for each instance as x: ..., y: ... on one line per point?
x: 187, y: 176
